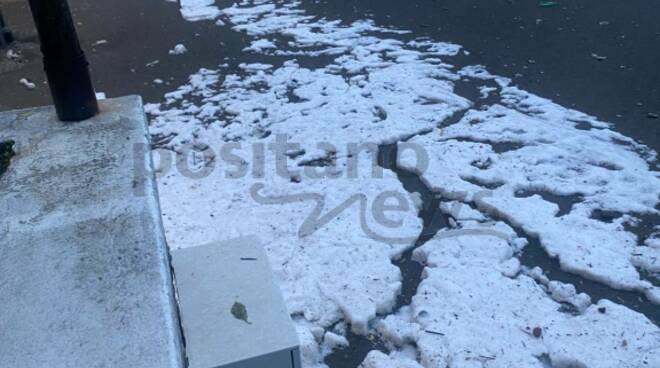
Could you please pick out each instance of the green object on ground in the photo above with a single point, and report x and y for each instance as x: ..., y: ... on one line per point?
x: 239, y: 311
x: 6, y: 153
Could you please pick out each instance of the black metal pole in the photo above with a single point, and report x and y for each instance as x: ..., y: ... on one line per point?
x: 64, y: 61
x: 5, y: 34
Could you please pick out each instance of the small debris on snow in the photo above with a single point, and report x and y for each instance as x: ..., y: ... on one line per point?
x: 537, y: 332
x: 179, y: 49
x: 27, y: 83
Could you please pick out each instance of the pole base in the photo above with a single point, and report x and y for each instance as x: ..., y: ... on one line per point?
x: 71, y: 87
x: 5, y: 37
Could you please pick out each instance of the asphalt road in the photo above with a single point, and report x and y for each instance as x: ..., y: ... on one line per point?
x: 556, y: 52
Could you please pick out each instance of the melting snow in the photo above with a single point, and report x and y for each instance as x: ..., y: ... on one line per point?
x: 179, y: 49
x: 476, y: 305
x: 195, y: 10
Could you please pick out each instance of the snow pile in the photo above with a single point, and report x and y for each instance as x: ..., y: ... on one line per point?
x: 376, y: 359
x: 330, y: 264
x: 195, y: 10
x: 287, y: 150
x: 470, y: 314
x: 398, y: 99
x: 606, y: 335
x: 545, y: 150
x: 260, y: 46
x: 179, y: 49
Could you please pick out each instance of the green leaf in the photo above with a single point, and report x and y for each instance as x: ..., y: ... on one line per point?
x: 239, y: 311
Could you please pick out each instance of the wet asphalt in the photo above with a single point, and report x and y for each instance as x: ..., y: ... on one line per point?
x: 599, y: 57
x: 555, y: 52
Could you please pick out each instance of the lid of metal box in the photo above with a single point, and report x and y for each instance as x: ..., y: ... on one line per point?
x: 231, y: 307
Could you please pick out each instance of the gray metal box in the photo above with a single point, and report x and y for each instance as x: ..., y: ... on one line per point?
x: 232, y: 311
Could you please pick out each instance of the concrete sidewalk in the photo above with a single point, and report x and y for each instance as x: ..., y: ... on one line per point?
x: 84, y: 268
